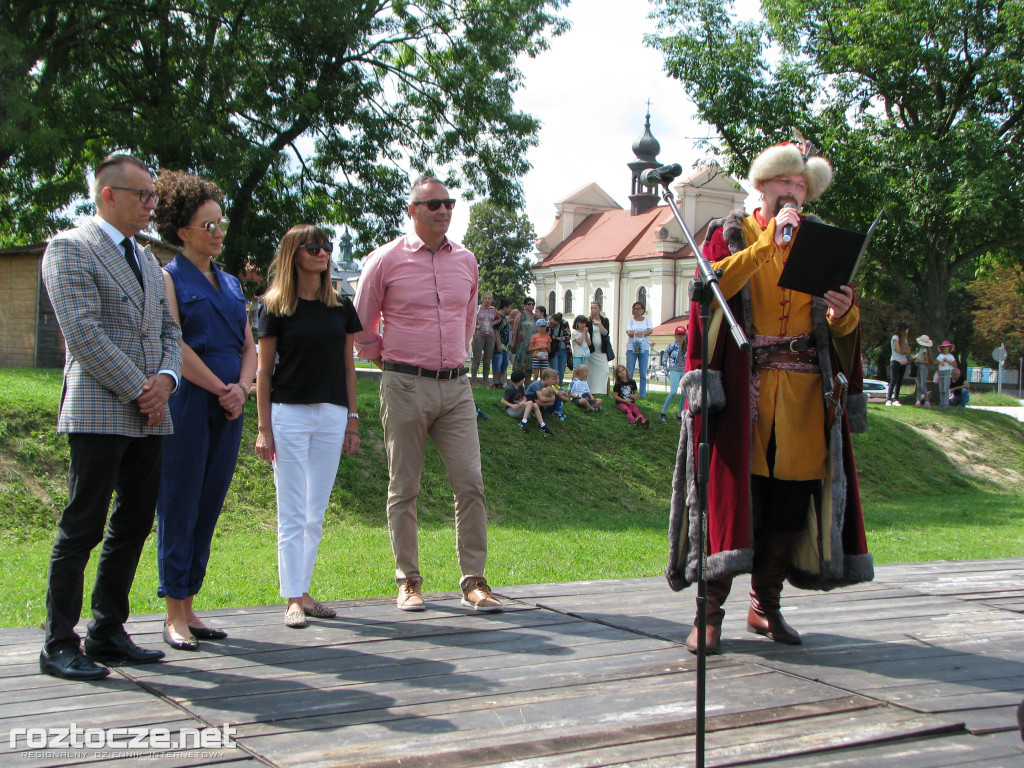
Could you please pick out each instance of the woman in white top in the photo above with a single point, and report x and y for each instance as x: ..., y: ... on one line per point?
x: 638, y: 331
x: 600, y: 344
x: 899, y: 346
x: 945, y: 365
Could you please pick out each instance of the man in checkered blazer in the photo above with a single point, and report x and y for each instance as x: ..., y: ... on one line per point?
x: 123, y: 362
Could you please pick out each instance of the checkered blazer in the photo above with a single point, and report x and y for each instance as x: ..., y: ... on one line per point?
x: 117, y: 335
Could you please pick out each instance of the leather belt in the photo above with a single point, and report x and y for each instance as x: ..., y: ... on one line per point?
x: 795, y: 344
x: 795, y: 352
x: 780, y: 357
x: 445, y: 374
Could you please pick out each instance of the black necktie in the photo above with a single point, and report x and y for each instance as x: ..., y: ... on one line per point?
x: 129, y: 256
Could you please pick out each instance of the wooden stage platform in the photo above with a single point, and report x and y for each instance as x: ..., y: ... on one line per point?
x: 922, y: 667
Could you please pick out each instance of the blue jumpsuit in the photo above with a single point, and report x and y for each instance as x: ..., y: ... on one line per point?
x: 199, y: 458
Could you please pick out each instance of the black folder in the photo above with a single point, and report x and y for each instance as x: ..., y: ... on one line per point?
x: 824, y: 257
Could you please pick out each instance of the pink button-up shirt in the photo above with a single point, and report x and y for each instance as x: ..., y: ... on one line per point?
x: 426, y: 300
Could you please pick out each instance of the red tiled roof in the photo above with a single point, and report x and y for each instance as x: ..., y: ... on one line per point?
x: 617, y: 236
x: 606, y: 236
x: 668, y: 328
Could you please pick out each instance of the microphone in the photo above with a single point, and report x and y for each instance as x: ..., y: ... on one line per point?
x: 787, y: 231
x: 654, y: 176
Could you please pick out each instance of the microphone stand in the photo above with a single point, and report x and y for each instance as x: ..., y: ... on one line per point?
x: 704, y: 289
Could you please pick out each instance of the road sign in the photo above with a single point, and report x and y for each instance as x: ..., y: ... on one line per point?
x: 999, y: 354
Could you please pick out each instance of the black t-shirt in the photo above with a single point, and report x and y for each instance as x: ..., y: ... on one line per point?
x: 311, y: 356
x: 624, y: 388
x: 513, y: 394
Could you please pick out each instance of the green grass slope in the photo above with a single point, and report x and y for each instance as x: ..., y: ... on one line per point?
x: 590, y: 503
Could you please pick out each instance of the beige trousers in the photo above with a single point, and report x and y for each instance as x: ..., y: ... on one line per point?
x: 413, y: 408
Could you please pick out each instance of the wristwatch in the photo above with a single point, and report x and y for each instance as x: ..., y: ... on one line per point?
x: 353, y: 416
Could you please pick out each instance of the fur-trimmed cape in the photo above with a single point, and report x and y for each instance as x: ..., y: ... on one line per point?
x: 832, y: 550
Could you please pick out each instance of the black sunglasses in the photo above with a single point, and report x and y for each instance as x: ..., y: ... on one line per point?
x: 315, y: 248
x: 433, y: 205
x: 146, y: 195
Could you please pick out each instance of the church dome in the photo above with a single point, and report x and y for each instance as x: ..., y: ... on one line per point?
x: 646, y: 147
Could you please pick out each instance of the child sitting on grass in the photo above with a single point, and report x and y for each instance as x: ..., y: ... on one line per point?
x: 624, y: 390
x: 518, y: 406
x: 579, y: 390
x: 544, y: 392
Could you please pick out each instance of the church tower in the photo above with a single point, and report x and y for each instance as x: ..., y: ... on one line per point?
x: 646, y: 148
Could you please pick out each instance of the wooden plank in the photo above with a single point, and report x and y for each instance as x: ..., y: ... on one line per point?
x: 335, y: 694
x: 551, y: 727
x: 556, y: 685
x: 366, y: 669
x: 943, y: 751
x: 509, y: 706
x: 791, y: 732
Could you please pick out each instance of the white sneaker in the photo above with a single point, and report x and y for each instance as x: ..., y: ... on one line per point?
x: 896, y: 402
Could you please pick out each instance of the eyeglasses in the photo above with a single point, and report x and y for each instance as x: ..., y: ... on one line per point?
x: 433, y: 205
x: 315, y: 248
x: 211, y: 226
x: 145, y: 195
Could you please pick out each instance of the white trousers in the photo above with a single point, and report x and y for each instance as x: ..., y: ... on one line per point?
x: 307, y: 447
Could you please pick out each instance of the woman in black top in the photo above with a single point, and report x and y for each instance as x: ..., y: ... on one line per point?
x: 306, y: 404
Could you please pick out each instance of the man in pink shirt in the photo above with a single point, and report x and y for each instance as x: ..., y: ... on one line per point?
x: 424, y: 288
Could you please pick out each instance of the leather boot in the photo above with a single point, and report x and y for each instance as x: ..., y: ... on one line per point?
x: 771, y: 561
x: 718, y: 591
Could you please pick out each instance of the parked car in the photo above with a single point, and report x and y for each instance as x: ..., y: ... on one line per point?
x: 876, y: 390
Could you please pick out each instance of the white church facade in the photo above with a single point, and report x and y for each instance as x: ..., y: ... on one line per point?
x: 598, y: 251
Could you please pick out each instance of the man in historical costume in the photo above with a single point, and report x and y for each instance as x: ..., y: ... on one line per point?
x: 783, y: 494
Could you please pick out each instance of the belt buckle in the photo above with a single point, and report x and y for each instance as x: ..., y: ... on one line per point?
x: 798, y: 345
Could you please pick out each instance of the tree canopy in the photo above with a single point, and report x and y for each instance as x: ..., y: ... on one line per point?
x: 502, y: 240
x: 919, y: 105
x: 301, y: 111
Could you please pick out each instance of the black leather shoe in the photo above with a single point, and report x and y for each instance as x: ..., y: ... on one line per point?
x: 70, y: 664
x: 207, y: 633
x: 185, y: 644
x: 119, y: 649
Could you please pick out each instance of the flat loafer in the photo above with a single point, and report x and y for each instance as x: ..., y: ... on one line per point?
x: 187, y: 644
x: 320, y: 611
x: 207, y: 633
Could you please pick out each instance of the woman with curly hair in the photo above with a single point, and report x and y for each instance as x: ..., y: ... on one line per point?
x: 219, y: 361
x: 306, y: 404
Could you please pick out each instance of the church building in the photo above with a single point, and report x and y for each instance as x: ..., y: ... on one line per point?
x: 598, y: 251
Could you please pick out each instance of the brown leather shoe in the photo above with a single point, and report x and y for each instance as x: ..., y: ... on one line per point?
x: 769, y: 622
x: 409, y: 597
x: 477, y: 595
